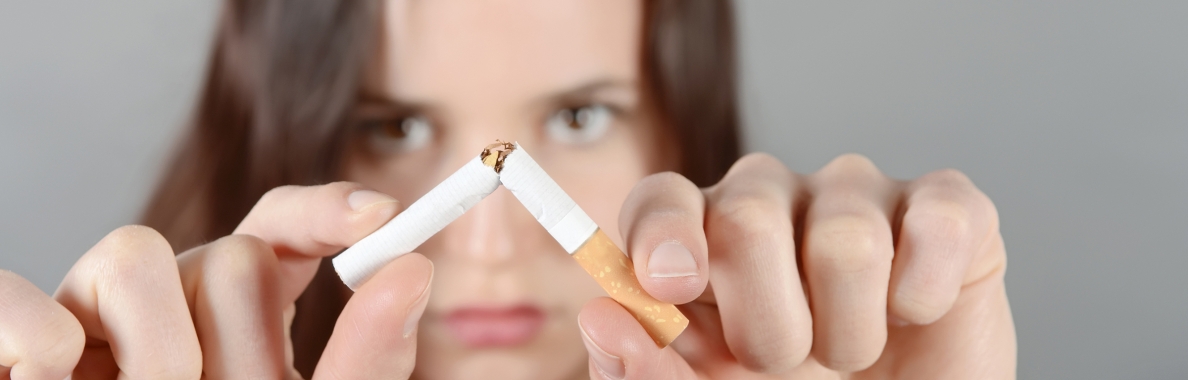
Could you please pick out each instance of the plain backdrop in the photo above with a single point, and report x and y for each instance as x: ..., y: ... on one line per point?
x: 1071, y: 115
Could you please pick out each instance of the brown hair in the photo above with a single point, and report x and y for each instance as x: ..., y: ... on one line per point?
x: 284, y: 73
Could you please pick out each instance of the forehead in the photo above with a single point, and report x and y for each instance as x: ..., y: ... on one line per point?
x: 457, y: 49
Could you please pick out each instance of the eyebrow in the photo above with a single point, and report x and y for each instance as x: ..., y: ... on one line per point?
x: 584, y: 92
x: 373, y: 103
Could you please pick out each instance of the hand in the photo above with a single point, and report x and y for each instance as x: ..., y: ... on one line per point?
x: 224, y: 309
x: 39, y: 339
x: 844, y: 273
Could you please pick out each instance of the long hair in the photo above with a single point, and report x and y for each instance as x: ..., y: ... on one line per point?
x: 283, y: 74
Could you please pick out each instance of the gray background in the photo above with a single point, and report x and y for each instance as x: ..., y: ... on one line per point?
x: 1071, y: 115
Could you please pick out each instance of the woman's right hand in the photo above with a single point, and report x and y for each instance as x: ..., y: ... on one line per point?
x: 224, y: 309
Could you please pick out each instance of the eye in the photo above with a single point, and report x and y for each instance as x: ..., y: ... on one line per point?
x: 400, y: 135
x: 579, y: 125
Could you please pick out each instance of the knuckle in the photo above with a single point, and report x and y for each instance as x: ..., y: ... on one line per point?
x: 953, y: 184
x: 756, y: 195
x: 947, y: 183
x: 665, y: 179
x: 939, y: 218
x: 848, y: 244
x: 756, y: 165
x: 774, y: 353
x: 850, y: 354
x: 981, y: 205
x: 663, y: 220
x: 342, y: 185
x: 851, y: 163
x: 749, y: 216
x: 277, y: 193
x: 68, y: 334
x: 126, y: 251
x: 241, y: 258
x: 135, y: 236
x: 661, y: 191
x: 850, y: 361
x: 54, y: 336
x: 918, y: 304
x: 921, y: 290
x: 242, y: 245
x: 759, y: 160
x: 60, y: 326
x: 948, y: 194
x: 948, y: 178
x: 335, y: 189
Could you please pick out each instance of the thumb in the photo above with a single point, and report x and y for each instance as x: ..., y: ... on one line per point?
x: 375, y: 336
x: 620, y: 348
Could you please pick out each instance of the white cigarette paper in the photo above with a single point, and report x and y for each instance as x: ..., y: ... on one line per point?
x: 416, y: 224
x: 555, y: 210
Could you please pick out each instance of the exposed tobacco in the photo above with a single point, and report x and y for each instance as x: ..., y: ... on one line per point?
x: 494, y: 154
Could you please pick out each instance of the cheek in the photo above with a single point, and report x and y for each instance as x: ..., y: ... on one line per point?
x: 405, y: 178
x: 603, y: 197
x: 611, y: 176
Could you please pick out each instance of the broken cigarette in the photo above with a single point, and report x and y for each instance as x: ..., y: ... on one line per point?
x: 420, y: 221
x: 583, y: 240
x: 510, y: 165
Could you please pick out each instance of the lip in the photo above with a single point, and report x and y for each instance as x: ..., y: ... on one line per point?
x: 487, y: 326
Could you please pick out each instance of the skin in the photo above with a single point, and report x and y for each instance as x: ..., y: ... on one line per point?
x: 842, y: 273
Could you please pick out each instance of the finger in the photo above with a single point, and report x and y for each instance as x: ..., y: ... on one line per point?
x: 662, y: 224
x: 980, y: 314
x: 753, y: 270
x: 232, y: 288
x: 947, y: 219
x: 39, y: 339
x: 304, y: 224
x: 375, y: 336
x: 127, y: 295
x: 619, y: 347
x: 847, y: 260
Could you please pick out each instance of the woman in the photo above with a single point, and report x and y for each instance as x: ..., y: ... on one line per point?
x: 840, y: 273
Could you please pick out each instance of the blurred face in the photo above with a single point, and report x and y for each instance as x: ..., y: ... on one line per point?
x: 562, y: 79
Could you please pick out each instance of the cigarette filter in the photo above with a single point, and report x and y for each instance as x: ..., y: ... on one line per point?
x: 583, y: 240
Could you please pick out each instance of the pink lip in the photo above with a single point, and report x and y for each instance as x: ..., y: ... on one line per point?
x: 481, y: 327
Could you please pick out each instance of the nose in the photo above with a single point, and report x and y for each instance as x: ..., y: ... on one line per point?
x: 493, y: 231
x: 487, y: 233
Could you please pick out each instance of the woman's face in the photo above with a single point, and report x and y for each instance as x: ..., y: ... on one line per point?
x: 561, y: 78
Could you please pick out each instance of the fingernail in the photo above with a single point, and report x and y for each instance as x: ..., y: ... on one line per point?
x: 671, y: 259
x: 417, y: 309
x: 609, y: 366
x: 362, y: 199
x: 894, y: 321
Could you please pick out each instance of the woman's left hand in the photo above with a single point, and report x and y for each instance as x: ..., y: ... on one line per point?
x: 841, y: 272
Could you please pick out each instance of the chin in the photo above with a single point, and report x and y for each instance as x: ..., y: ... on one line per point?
x: 490, y: 364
